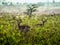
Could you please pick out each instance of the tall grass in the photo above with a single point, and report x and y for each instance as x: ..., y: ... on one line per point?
x: 49, y: 34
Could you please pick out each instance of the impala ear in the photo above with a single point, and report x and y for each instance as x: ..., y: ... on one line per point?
x: 19, y: 20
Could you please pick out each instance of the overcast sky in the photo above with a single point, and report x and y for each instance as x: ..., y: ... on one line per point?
x: 31, y: 1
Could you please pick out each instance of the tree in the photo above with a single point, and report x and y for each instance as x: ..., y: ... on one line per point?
x: 53, y: 1
x: 11, y: 3
x: 5, y: 3
x: 31, y: 8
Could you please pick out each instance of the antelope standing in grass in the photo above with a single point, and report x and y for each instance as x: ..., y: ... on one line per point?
x: 23, y: 28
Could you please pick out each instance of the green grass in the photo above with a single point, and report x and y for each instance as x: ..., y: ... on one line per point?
x: 49, y: 34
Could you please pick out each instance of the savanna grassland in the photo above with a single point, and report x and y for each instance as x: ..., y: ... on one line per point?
x: 43, y: 30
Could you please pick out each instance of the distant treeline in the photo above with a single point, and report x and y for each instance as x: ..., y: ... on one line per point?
x: 3, y: 3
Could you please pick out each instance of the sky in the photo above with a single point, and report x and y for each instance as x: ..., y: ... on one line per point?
x: 31, y: 1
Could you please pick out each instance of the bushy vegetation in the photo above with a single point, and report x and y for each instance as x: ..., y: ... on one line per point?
x: 48, y: 34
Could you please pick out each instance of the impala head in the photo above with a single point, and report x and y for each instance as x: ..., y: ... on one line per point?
x: 19, y: 21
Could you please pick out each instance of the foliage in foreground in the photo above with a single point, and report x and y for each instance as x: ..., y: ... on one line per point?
x: 49, y: 34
